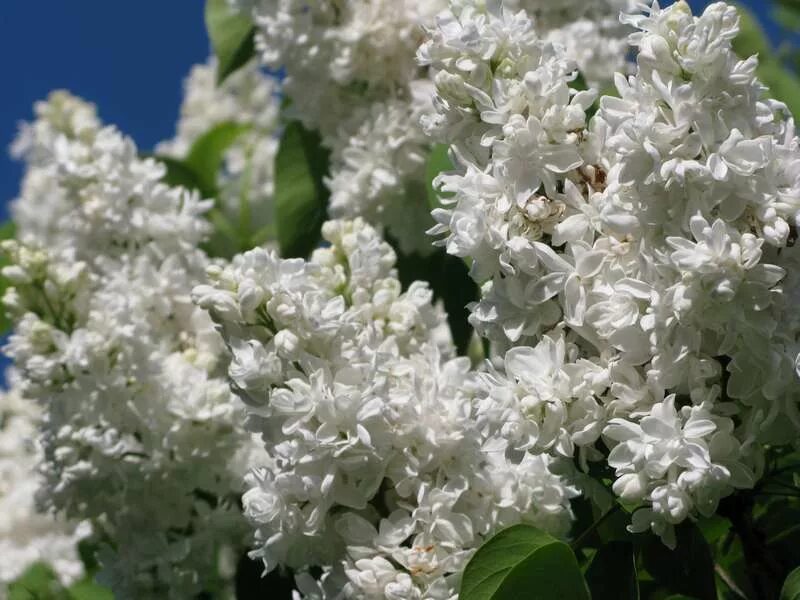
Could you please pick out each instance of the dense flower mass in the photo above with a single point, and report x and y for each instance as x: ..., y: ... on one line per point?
x: 351, y: 72
x: 138, y: 429
x: 27, y: 536
x: 625, y: 192
x: 380, y: 470
x: 652, y: 239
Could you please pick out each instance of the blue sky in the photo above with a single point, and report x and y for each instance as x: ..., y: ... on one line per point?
x: 128, y: 57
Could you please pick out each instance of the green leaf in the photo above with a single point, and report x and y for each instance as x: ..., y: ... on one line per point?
x: 7, y: 231
x: 208, y: 151
x: 199, y: 171
x: 438, y: 162
x: 180, y: 174
x: 714, y: 527
x: 232, y: 36
x: 791, y: 587
x: 751, y: 39
x: 523, y: 562
x: 225, y: 239
x: 448, y: 275
x: 450, y: 281
x: 87, y: 589
x: 579, y: 83
x: 788, y: 16
x: 783, y: 84
x: 689, y: 569
x: 612, y: 573
x: 301, y: 197
x: 39, y: 582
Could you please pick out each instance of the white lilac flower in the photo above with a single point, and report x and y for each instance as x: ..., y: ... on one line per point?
x: 28, y: 536
x: 590, y: 32
x: 379, y: 470
x: 340, y: 56
x: 138, y: 429
x: 505, y: 104
x: 680, y: 460
x: 379, y: 172
x: 61, y: 115
x: 629, y: 262
x: 350, y: 72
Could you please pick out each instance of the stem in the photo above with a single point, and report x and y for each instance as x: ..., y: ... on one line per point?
x: 578, y: 542
x: 728, y: 580
x: 761, y: 566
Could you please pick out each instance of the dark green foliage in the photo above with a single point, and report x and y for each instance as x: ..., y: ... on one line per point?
x: 612, y: 573
x: 689, y: 569
x: 450, y: 282
x: 301, y: 197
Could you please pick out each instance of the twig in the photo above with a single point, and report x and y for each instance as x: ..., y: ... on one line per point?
x: 728, y: 580
x: 578, y: 542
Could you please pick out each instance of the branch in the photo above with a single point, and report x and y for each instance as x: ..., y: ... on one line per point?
x: 728, y: 580
x: 579, y: 541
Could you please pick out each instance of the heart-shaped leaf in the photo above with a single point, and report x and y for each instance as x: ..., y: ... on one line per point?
x: 523, y: 562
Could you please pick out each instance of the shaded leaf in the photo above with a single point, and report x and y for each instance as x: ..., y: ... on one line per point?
x: 523, y: 562
x: 751, y: 38
x: 232, y: 36
x: 180, y: 174
x: 450, y: 281
x: 87, y: 550
x: 788, y: 16
x: 791, y: 587
x: 208, y: 151
x: 583, y: 509
x: 689, y: 569
x: 225, y: 240
x: 301, y: 197
x: 612, y: 573
x: 199, y: 171
x: 714, y: 527
x: 783, y: 84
